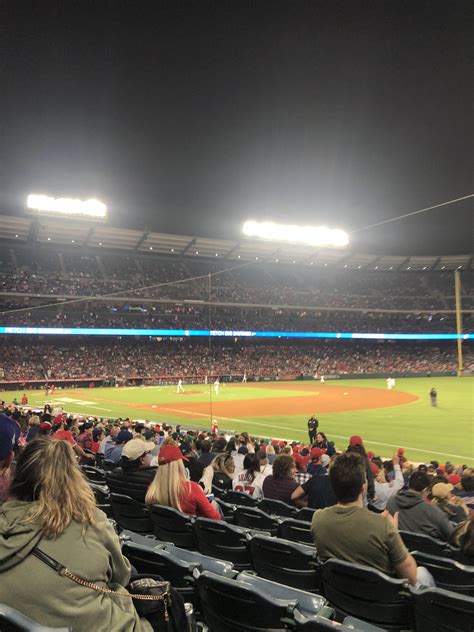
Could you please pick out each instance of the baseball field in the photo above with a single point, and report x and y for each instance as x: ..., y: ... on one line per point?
x: 387, y: 420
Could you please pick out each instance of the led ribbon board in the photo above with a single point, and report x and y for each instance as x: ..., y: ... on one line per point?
x: 182, y: 333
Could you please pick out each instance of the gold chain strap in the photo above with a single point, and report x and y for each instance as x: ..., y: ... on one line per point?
x: 165, y: 597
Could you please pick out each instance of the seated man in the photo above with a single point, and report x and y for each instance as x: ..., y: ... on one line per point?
x: 415, y: 514
x: 134, y: 475
x: 317, y: 489
x: 349, y: 531
x: 113, y: 450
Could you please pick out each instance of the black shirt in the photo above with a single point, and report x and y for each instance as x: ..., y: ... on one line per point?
x: 313, y: 423
x: 319, y: 491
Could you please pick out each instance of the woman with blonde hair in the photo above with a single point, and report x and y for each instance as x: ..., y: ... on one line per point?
x: 51, y: 511
x: 171, y: 488
x: 224, y: 468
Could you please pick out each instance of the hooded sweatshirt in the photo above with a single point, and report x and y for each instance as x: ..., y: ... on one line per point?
x: 418, y: 516
x: 31, y: 587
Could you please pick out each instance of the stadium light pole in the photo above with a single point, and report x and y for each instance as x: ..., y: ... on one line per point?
x: 457, y: 294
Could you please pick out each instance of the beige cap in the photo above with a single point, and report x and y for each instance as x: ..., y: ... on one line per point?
x: 441, y: 490
x: 135, y: 448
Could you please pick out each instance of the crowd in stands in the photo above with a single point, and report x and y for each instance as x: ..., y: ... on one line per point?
x: 192, y: 360
x: 52, y: 273
x: 360, y: 501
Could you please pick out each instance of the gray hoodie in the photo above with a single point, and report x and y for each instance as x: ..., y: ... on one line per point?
x: 418, y: 516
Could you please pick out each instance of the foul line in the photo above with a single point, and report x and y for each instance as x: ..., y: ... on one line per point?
x: 256, y: 423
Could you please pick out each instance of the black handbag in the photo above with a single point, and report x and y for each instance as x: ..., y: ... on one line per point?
x: 153, y: 597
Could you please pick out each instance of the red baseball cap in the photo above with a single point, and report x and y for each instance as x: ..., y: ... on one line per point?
x: 375, y: 468
x: 169, y: 453
x: 317, y: 453
x: 401, y: 451
x: 370, y: 455
x: 454, y: 479
x: 355, y: 440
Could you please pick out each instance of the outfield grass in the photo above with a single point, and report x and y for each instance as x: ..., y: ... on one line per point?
x: 442, y: 433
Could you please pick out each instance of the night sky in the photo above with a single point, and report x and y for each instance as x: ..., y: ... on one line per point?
x: 190, y: 117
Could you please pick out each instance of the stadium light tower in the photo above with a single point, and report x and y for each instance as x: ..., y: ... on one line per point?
x: 67, y: 207
x: 308, y: 235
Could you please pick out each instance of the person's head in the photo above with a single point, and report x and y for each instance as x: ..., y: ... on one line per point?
x: 88, y: 427
x: 136, y: 455
x: 220, y: 444
x: 231, y: 445
x: 316, y: 454
x: 9, y: 433
x: 284, y: 467
x: 347, y: 476
x: 251, y: 465
x: 464, y: 537
x: 321, y: 437
x: 287, y: 450
x: 262, y: 457
x: 356, y: 446
x: 114, y: 430
x: 48, y: 476
x: 419, y: 482
x: 170, y: 478
x: 45, y: 428
x: 244, y: 438
x: 205, y: 446
x: 270, y: 450
x: 123, y: 436
x: 224, y: 464
x: 34, y: 420
x: 467, y: 483
x: 98, y: 434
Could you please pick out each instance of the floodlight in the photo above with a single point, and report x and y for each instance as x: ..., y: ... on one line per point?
x: 309, y: 235
x: 69, y: 207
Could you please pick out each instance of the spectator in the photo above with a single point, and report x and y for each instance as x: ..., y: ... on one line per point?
x: 171, y: 488
x: 349, y: 531
x: 64, y: 433
x: 113, y: 451
x: 270, y: 452
x: 98, y: 435
x: 33, y: 427
x: 85, y: 439
x: 453, y: 507
x: 415, y: 514
x: 250, y: 480
x: 315, y: 466
x: 281, y: 484
x: 301, y: 475
x: 45, y: 428
x: 463, y: 537
x: 317, y: 490
x: 239, y: 459
x: 134, y: 475
x: 265, y: 468
x: 53, y: 508
x: 193, y: 466
x: 111, y: 434
x: 206, y: 456
x: 385, y: 489
x: 9, y: 435
x: 356, y: 446
x: 324, y: 444
x: 223, y: 466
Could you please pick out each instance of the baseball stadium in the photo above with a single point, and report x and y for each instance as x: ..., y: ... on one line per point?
x: 236, y: 316
x: 167, y: 314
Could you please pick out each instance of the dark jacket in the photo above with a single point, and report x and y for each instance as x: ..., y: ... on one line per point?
x: 319, y: 491
x: 418, y: 516
x: 134, y: 483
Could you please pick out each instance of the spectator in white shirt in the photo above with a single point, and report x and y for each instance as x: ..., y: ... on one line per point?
x: 250, y: 480
x: 384, y: 489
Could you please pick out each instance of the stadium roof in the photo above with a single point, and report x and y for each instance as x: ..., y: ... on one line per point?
x: 83, y: 234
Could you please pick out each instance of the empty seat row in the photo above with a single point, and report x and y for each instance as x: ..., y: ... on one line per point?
x: 268, y: 505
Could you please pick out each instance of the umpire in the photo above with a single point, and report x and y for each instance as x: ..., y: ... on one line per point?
x: 313, y: 424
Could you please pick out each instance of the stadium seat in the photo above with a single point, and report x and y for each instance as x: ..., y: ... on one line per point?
x: 170, y: 525
x: 108, y: 465
x: 424, y: 543
x: 206, y: 563
x: 101, y: 493
x: 285, y: 562
x: 218, y: 492
x: 229, y: 605
x: 322, y: 624
x: 295, y: 530
x: 254, y: 518
x: 366, y: 593
x: 149, y: 561
x: 223, y: 541
x: 277, y: 508
x: 227, y: 509
x: 308, y: 604
x: 448, y: 574
x: 139, y: 538
x: 93, y: 474
x: 438, y: 610
x: 130, y: 514
x: 305, y: 514
x: 13, y: 621
x: 240, y: 499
